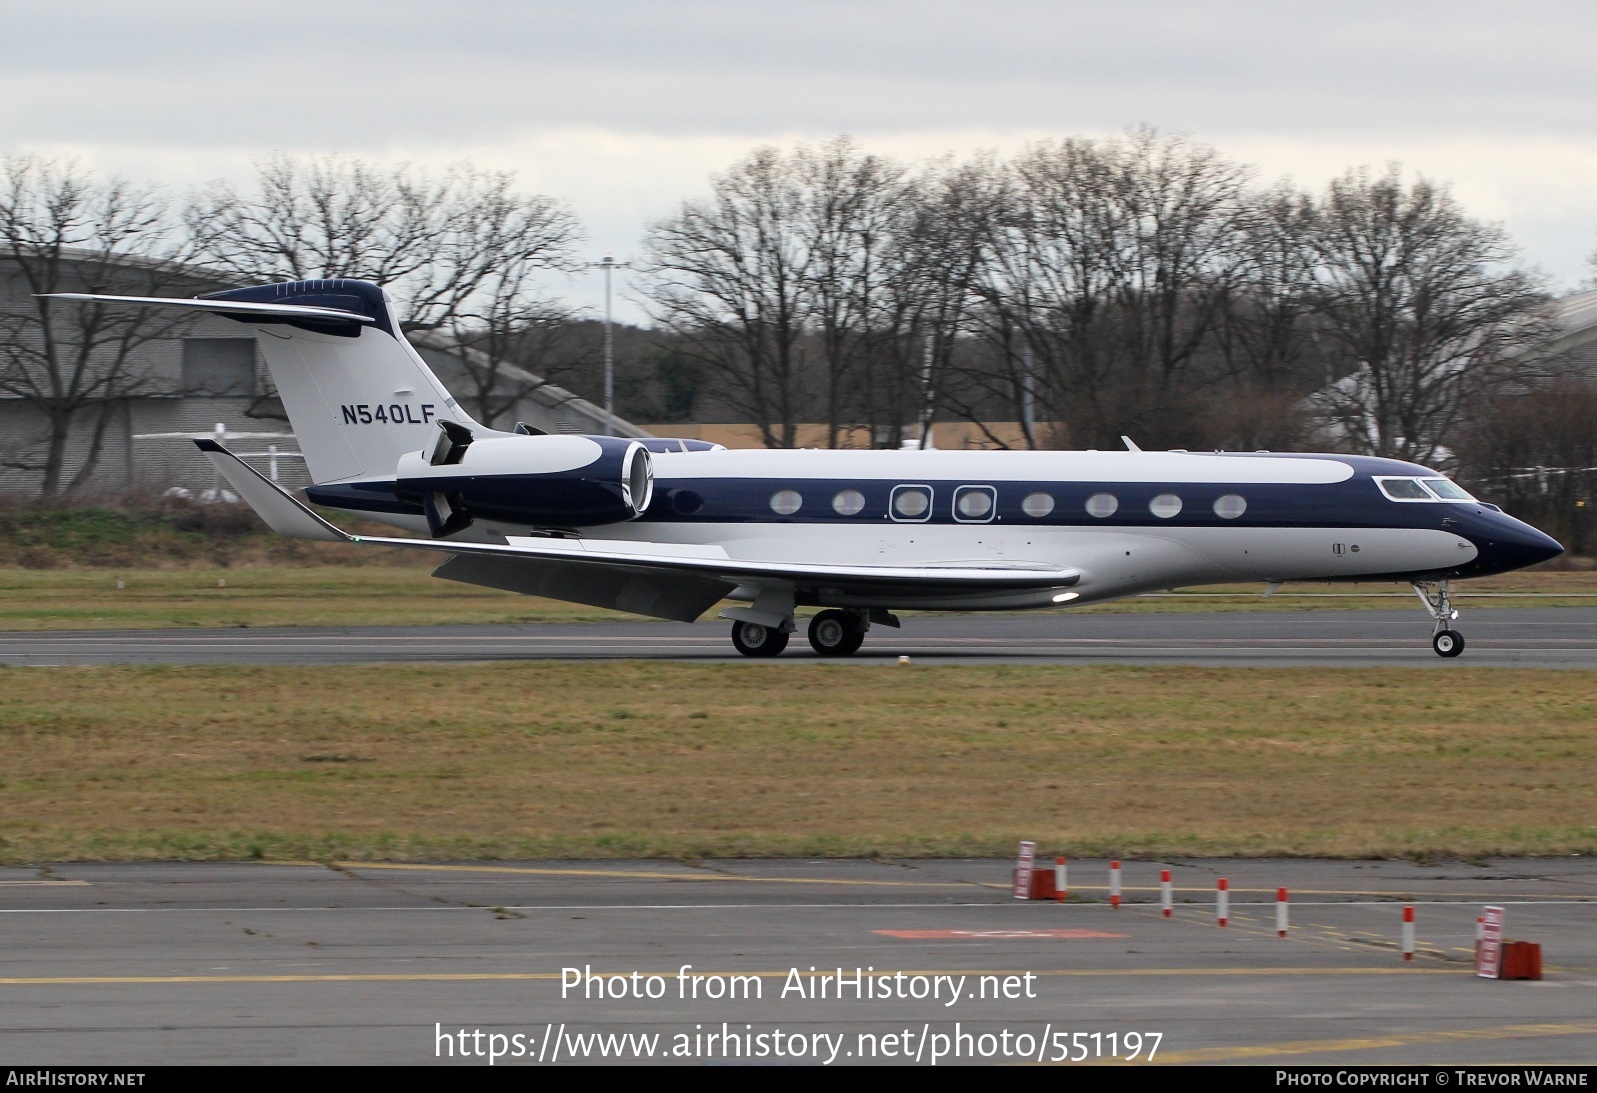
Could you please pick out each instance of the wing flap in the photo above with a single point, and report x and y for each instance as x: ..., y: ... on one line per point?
x: 660, y: 595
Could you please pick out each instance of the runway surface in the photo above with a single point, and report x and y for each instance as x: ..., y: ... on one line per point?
x: 144, y: 964
x: 1557, y: 637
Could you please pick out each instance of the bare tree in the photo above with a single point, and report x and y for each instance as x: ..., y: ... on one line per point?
x: 855, y: 206
x: 1264, y: 328
x: 446, y: 248
x: 512, y: 351
x: 1423, y: 307
x: 1113, y: 262
x: 730, y: 275
x: 77, y: 364
x: 941, y: 254
x: 1536, y: 455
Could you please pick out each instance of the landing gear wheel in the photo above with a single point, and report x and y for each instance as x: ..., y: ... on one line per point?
x: 754, y: 640
x: 1448, y: 643
x: 836, y: 634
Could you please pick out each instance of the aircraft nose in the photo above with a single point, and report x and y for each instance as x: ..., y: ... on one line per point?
x: 1511, y: 544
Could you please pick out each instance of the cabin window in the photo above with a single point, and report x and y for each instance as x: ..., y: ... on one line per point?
x: 912, y: 503
x: 1102, y: 505
x: 1447, y: 490
x: 786, y: 502
x: 1037, y: 504
x: 975, y: 504
x: 1165, y: 505
x: 1230, y: 506
x: 1404, y: 489
x: 848, y: 502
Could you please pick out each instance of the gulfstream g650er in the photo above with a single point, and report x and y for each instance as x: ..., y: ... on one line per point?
x: 670, y: 528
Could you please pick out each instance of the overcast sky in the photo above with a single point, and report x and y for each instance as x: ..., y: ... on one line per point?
x: 622, y: 108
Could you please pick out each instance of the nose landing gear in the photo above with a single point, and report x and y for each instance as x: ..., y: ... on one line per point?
x: 1436, y: 596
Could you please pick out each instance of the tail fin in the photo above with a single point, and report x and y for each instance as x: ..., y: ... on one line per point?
x: 356, y: 392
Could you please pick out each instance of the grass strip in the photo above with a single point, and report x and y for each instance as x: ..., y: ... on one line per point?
x: 629, y: 759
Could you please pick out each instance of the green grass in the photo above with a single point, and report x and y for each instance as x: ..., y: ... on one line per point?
x: 628, y: 759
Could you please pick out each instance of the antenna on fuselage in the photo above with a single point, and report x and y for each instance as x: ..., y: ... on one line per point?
x: 1131, y: 445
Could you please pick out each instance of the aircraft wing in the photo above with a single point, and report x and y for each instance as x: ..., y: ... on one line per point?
x: 707, y: 568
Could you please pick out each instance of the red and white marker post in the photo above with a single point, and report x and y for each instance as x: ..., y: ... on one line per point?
x: 1061, y: 889
x: 1166, y: 900
x: 1280, y: 912
x: 1408, y: 932
x: 1023, y: 864
x: 1489, y: 950
x: 1114, y: 885
x: 1222, y: 900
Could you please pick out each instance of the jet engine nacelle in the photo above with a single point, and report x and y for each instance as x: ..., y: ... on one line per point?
x: 538, y: 481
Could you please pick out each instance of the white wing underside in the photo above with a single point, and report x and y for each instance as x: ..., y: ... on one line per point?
x: 662, y: 579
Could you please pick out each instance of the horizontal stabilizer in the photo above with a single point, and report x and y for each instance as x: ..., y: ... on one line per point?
x: 238, y: 309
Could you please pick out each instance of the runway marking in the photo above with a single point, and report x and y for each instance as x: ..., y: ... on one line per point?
x: 482, y: 977
x: 44, y: 884
x: 1372, y: 1043
x: 646, y: 875
x: 993, y: 935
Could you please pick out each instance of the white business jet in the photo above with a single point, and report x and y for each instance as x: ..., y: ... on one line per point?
x: 669, y: 528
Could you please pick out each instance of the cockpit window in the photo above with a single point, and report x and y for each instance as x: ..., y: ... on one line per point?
x: 1403, y: 489
x: 1447, y: 490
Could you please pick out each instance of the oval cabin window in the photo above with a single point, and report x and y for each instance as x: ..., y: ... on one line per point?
x: 1102, y: 505
x: 1230, y: 506
x: 1165, y: 505
x: 786, y: 502
x: 974, y: 503
x: 911, y: 503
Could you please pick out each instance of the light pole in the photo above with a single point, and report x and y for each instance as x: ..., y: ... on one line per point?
x: 609, y: 265
x: 1028, y: 399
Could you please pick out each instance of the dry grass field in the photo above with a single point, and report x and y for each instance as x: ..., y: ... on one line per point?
x: 626, y: 758
x: 81, y: 598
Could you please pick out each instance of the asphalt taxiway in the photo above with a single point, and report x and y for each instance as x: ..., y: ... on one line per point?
x: 1556, y: 637
x: 142, y: 964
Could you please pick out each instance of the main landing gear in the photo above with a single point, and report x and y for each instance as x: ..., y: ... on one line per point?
x: 1435, y: 595
x: 754, y: 640
x: 832, y: 633
x: 838, y: 633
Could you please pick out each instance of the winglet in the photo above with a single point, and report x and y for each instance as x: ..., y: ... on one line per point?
x: 282, y: 513
x: 1131, y: 445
